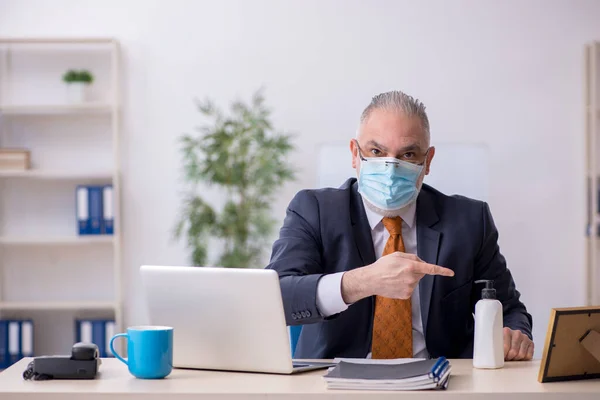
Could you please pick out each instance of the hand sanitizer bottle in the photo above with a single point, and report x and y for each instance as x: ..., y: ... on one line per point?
x: 488, y: 349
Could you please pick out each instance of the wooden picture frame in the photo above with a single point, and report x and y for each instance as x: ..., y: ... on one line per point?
x: 571, y: 342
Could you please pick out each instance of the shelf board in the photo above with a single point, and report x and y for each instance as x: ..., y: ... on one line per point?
x: 57, y: 175
x: 57, y: 240
x: 57, y: 40
x: 57, y: 305
x: 55, y: 109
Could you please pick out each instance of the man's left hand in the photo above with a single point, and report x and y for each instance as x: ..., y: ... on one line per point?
x: 517, y: 346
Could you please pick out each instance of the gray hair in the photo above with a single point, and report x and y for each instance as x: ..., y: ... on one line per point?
x: 398, y: 101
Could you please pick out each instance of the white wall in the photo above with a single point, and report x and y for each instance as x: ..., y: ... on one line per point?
x: 504, y: 73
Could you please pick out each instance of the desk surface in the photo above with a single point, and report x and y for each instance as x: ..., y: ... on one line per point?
x: 517, y: 379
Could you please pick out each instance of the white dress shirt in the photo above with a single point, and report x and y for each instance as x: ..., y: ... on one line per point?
x: 329, y: 288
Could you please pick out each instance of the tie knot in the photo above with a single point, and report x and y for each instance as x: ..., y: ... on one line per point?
x: 393, y: 225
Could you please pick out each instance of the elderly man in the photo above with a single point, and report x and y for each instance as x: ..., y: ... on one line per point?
x: 385, y: 266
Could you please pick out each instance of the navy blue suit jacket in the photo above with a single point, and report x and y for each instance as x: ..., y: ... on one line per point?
x: 327, y: 231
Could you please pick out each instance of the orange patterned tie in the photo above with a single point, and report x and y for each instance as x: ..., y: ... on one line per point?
x: 392, y: 323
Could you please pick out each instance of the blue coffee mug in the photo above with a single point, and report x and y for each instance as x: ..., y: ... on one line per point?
x: 149, y: 351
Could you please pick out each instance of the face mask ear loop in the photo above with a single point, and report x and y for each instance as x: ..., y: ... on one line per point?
x: 360, y: 164
x: 423, y: 169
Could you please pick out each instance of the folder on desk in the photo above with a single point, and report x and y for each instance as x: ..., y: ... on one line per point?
x: 414, y: 375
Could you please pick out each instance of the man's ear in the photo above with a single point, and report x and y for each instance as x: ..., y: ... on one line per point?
x: 354, y: 151
x: 430, y: 155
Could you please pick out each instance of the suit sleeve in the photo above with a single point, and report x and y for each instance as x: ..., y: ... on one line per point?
x: 296, y: 256
x: 491, y: 264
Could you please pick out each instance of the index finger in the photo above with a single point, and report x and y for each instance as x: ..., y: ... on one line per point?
x: 432, y: 269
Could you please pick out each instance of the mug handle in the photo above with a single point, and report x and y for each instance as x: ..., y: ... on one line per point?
x: 112, y: 349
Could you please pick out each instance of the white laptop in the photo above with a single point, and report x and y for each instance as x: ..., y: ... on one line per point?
x: 222, y: 318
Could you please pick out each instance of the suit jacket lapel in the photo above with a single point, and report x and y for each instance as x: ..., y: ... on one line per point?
x: 361, y: 228
x: 364, y: 243
x: 428, y: 241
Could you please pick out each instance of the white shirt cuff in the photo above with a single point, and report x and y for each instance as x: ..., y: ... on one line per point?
x: 329, y: 295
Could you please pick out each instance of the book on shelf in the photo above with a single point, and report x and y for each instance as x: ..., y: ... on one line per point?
x: 14, y: 159
x: 95, y: 210
x: 401, y: 374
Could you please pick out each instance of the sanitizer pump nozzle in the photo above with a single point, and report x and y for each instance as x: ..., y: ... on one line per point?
x: 489, y: 292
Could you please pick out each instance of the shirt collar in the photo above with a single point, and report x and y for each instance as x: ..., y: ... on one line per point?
x: 407, y: 214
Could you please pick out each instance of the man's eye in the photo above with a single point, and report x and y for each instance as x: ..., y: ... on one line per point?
x: 376, y: 152
x: 409, y: 156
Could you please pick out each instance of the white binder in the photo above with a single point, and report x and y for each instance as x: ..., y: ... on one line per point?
x: 85, y: 331
x: 14, y: 330
x: 27, y: 338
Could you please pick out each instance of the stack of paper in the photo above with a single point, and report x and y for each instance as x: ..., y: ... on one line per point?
x: 374, y: 375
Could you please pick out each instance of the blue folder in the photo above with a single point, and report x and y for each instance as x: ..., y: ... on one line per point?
x: 4, y: 358
x: 14, y: 341
x: 108, y: 210
x: 95, y: 194
x: 82, y: 210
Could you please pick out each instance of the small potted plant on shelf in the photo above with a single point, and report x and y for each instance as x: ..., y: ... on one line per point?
x: 77, y: 84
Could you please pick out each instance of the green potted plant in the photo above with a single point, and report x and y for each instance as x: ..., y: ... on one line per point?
x: 77, y: 84
x: 242, y: 155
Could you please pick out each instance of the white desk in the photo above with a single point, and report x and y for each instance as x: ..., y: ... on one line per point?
x: 517, y: 380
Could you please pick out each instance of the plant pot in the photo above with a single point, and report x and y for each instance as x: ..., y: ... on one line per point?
x: 76, y: 92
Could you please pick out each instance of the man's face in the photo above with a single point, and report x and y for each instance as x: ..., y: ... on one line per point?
x: 392, y: 134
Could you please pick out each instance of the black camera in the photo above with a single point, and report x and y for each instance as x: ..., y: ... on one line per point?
x: 82, y: 364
